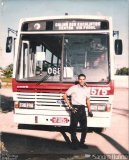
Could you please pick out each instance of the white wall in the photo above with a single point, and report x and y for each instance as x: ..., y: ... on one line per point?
x: 121, y: 81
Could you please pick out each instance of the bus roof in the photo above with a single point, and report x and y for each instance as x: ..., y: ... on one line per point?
x: 66, y: 17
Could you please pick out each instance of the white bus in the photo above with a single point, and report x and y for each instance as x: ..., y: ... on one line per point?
x: 50, y: 52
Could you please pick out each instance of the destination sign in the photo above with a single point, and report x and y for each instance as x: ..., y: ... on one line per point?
x: 65, y: 25
x: 76, y: 25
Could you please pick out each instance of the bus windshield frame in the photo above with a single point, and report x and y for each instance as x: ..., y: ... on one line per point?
x: 62, y: 57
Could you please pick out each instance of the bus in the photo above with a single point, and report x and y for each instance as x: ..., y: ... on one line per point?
x: 50, y: 53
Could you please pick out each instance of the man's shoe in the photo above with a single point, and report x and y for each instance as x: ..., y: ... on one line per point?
x: 74, y: 146
x: 82, y: 145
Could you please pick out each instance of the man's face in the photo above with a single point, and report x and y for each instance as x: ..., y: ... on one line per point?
x: 82, y: 80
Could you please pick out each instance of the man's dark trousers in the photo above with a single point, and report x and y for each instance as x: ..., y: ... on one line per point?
x: 79, y: 116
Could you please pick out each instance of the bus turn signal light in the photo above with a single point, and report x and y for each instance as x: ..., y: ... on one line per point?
x: 16, y: 104
x: 108, y: 107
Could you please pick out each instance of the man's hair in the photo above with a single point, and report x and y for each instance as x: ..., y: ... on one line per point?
x: 81, y: 75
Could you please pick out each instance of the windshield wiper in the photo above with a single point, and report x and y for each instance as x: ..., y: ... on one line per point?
x: 44, y: 78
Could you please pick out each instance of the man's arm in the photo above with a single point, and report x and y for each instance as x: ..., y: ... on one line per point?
x: 69, y: 104
x: 89, y: 107
x: 67, y: 100
x: 88, y: 104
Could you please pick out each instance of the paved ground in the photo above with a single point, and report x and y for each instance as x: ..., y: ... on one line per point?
x: 28, y: 144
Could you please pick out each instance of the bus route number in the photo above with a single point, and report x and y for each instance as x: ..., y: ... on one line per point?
x: 53, y: 70
x: 99, y: 91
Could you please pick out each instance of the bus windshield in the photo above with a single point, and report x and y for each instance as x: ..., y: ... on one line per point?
x: 57, y: 57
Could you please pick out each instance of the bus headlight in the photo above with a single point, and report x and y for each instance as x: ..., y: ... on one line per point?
x: 26, y: 105
x: 101, y: 108
x: 98, y: 107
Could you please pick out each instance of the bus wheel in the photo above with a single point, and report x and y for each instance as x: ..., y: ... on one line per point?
x: 99, y: 130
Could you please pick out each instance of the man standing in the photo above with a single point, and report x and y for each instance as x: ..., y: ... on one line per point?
x: 80, y: 97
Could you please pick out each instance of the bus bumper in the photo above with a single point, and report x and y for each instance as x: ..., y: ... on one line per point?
x: 100, y: 122
x: 42, y: 120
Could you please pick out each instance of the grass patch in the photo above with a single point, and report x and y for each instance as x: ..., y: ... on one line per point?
x: 8, y: 80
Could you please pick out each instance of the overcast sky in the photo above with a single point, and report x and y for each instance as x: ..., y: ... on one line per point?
x: 12, y: 10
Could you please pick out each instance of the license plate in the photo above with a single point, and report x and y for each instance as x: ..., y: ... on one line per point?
x: 59, y: 120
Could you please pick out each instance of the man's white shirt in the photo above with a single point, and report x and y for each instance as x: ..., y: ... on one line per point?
x: 78, y: 94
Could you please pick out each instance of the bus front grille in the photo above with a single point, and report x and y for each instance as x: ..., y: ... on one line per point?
x: 52, y: 99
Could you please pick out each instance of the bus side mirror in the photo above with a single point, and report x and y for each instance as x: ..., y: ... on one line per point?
x: 118, y: 47
x: 9, y: 44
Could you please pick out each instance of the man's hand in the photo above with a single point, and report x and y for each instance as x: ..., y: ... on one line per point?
x: 90, y: 114
x: 74, y: 110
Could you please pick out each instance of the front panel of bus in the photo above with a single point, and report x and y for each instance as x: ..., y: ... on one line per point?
x: 48, y: 62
